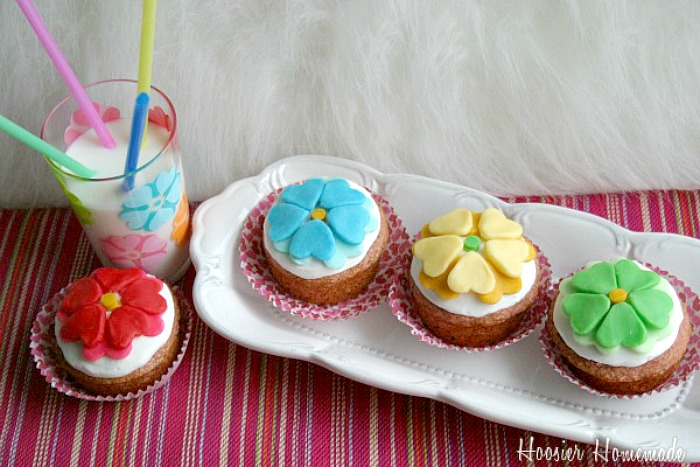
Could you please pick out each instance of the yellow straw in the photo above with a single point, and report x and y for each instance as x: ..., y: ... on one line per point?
x: 148, y: 26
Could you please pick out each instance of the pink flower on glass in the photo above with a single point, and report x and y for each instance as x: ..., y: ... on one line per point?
x: 157, y: 116
x: 141, y: 251
x: 79, y: 123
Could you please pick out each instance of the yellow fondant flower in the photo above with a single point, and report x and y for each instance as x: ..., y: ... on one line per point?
x: 481, y: 253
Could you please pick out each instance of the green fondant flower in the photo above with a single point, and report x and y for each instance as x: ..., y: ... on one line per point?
x: 617, y: 304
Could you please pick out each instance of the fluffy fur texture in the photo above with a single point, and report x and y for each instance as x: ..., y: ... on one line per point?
x: 532, y: 97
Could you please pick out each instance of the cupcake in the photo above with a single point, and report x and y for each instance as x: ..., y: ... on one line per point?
x: 117, y: 331
x: 473, y: 277
x: 323, y: 240
x: 619, y: 326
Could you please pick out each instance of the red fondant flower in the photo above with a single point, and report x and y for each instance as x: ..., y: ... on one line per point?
x: 106, y: 310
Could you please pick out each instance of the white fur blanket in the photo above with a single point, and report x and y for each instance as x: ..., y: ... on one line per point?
x: 522, y: 97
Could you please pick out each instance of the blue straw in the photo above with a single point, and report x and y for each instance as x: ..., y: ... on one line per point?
x: 137, y: 126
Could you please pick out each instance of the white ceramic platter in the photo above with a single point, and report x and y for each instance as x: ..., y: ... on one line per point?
x: 514, y: 385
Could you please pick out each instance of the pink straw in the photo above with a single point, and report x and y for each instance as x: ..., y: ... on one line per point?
x: 76, y: 89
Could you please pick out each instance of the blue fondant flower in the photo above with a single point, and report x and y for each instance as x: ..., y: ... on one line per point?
x: 326, y: 220
x: 153, y: 204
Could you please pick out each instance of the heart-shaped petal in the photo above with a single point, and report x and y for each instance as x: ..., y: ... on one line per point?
x: 598, y: 278
x: 305, y: 195
x: 87, y: 325
x: 159, y: 218
x: 110, y: 113
x: 152, y: 252
x: 631, y: 277
x: 471, y: 274
x: 167, y: 183
x: 437, y: 253
x: 82, y: 292
x: 504, y: 285
x: 313, y: 239
x: 338, y: 193
x: 173, y: 192
x: 621, y: 326
x: 139, y: 198
x: 125, y: 323
x: 115, y: 280
x: 119, y: 246
x: 348, y: 223
x: 494, y: 224
x: 136, y: 220
x: 70, y: 135
x: 507, y: 256
x: 83, y: 214
x: 158, y: 117
x: 654, y: 307
x: 585, y: 311
x: 144, y: 294
x: 456, y: 222
x: 78, y: 117
x: 285, y: 219
x: 438, y: 285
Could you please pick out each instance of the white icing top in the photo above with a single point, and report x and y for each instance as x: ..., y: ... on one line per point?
x: 315, y: 269
x: 143, y: 348
x: 469, y: 304
x: 622, y: 356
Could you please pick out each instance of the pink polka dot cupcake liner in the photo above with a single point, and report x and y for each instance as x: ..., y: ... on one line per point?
x: 44, y: 349
x: 256, y: 270
x: 404, y: 309
x: 689, y: 364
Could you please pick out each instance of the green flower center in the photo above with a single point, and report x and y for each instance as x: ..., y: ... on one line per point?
x: 472, y: 243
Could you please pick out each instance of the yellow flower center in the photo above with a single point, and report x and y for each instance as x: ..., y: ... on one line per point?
x: 111, y: 301
x: 617, y: 295
x: 319, y: 214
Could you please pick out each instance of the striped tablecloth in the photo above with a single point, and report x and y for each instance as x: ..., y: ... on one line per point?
x: 228, y: 405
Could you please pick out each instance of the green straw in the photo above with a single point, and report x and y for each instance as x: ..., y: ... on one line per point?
x: 34, y: 142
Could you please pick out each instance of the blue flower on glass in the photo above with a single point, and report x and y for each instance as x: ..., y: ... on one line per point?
x: 326, y: 220
x: 153, y: 204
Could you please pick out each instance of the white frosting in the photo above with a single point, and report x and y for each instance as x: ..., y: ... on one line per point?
x: 623, y: 356
x: 469, y: 304
x: 143, y: 348
x: 315, y: 269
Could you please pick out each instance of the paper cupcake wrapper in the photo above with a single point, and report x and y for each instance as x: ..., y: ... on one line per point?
x: 255, y: 267
x: 404, y: 309
x: 43, y: 347
x: 689, y: 364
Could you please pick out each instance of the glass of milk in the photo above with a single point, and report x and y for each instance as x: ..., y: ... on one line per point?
x: 147, y: 227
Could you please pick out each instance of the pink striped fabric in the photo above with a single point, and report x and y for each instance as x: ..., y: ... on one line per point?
x: 228, y: 405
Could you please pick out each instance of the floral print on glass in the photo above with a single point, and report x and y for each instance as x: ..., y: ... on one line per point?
x: 140, y: 251
x: 153, y: 204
